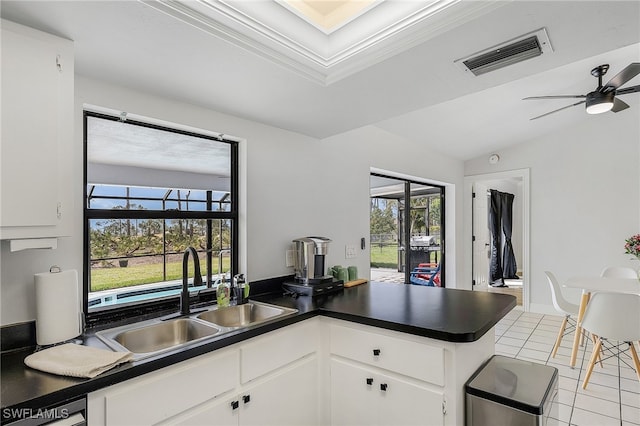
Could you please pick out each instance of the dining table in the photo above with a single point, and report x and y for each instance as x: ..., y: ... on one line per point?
x: 592, y: 284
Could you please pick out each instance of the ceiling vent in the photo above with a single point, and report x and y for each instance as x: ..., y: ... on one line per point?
x: 511, y: 52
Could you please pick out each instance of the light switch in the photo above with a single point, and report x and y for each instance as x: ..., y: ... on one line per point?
x: 350, y: 252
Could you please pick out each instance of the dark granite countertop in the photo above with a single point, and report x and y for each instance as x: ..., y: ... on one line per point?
x: 438, y: 313
x: 443, y: 314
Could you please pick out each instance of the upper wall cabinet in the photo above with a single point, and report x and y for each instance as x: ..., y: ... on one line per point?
x: 36, y: 149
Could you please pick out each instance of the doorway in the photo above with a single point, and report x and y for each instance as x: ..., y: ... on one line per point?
x: 492, y: 235
x: 406, y: 231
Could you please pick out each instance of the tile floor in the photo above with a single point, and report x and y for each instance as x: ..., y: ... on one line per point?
x: 613, y: 394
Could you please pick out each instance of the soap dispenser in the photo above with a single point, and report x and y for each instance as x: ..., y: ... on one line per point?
x: 222, y: 294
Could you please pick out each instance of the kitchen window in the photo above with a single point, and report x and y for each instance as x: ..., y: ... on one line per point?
x: 151, y: 191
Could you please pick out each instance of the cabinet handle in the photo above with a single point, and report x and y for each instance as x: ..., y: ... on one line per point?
x: 246, y: 398
x: 383, y: 387
x: 369, y: 380
x: 376, y: 352
x: 235, y: 405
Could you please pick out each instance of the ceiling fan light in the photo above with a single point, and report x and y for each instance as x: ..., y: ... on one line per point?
x: 598, y: 102
x: 599, y: 108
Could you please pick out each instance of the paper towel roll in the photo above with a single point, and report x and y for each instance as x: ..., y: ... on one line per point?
x: 57, y: 307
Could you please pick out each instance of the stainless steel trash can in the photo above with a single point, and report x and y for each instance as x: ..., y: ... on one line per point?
x: 513, y: 392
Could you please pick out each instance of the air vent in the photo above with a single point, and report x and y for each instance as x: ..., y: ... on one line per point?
x: 517, y: 50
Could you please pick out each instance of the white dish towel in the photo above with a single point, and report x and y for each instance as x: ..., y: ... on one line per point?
x: 76, y: 360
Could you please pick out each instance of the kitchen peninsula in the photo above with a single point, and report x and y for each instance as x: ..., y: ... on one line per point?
x: 406, y: 346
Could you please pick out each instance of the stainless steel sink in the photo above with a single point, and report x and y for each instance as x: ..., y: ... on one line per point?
x: 156, y: 337
x: 153, y: 337
x: 245, y: 315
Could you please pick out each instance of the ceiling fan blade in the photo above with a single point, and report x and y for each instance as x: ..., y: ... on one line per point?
x: 626, y: 90
x: 560, y: 109
x: 622, y: 77
x: 555, y: 97
x: 619, y: 105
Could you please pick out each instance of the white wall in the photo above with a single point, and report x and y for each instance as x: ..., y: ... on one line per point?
x: 352, y: 155
x: 291, y: 186
x: 584, y: 197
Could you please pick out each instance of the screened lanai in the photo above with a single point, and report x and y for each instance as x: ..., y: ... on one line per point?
x: 404, y: 211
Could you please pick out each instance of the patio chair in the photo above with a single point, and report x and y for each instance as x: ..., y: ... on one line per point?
x: 427, y: 276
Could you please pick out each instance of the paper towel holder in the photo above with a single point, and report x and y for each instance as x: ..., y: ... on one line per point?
x: 59, y: 316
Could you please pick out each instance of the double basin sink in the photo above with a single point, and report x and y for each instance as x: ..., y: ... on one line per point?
x: 153, y: 337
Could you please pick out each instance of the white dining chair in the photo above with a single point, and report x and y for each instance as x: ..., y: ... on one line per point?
x: 619, y: 272
x: 613, y: 317
x: 563, y: 307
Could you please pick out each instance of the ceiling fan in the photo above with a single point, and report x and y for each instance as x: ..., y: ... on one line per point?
x: 603, y: 98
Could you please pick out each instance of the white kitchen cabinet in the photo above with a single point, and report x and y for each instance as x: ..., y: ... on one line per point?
x: 405, y: 402
x: 280, y: 386
x: 290, y: 397
x: 165, y: 393
x: 274, y: 350
x: 218, y: 412
x: 36, y: 148
x: 391, y: 352
x: 424, y: 377
x: 353, y: 399
x: 286, y: 398
x: 309, y: 373
x: 383, y: 379
x: 367, y: 396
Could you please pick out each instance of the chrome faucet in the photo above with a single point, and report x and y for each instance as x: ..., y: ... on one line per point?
x: 197, y: 278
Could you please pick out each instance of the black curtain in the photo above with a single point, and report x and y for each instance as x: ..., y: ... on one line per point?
x: 509, y: 266
x: 495, y: 220
x: 502, y: 263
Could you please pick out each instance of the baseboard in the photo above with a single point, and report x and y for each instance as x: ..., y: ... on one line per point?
x: 539, y: 308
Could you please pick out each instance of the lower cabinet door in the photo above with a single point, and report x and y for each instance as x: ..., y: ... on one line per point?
x: 366, y: 396
x: 289, y: 397
x: 404, y: 402
x: 353, y: 395
x: 214, y: 413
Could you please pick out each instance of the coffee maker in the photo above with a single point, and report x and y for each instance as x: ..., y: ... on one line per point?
x: 309, y: 268
x: 309, y: 259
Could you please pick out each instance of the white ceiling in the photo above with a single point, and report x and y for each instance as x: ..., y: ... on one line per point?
x: 418, y: 93
x: 369, y: 35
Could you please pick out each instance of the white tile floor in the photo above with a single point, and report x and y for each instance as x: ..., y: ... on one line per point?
x: 613, y: 394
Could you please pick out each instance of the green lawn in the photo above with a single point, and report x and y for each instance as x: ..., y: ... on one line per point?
x: 110, y: 278
x: 384, y: 257
x: 387, y: 256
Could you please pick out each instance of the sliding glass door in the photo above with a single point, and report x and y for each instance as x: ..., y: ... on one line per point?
x: 407, y: 231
